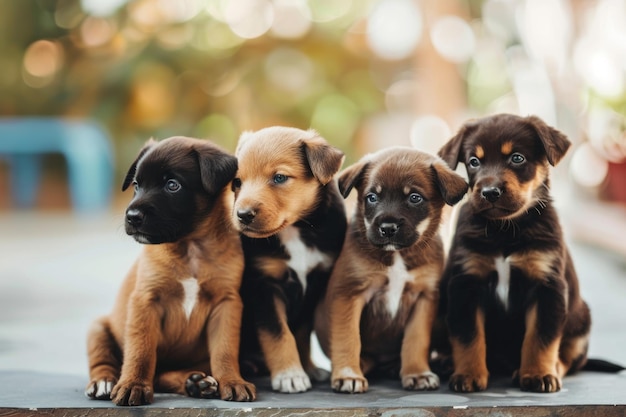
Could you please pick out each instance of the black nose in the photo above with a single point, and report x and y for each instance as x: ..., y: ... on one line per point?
x: 491, y: 193
x: 246, y: 216
x: 134, y: 217
x: 388, y: 229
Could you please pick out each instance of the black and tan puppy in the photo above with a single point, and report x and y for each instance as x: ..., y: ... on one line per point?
x: 293, y: 223
x: 382, y: 295
x: 513, y: 300
x: 175, y: 326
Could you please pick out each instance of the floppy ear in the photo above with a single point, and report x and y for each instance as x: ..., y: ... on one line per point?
x: 351, y: 177
x: 450, y: 184
x: 324, y: 160
x: 217, y: 168
x: 554, y: 142
x: 130, y: 175
x: 451, y: 151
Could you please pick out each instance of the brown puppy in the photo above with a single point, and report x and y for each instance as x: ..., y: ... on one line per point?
x: 383, y: 293
x: 293, y: 223
x: 513, y: 301
x: 175, y: 325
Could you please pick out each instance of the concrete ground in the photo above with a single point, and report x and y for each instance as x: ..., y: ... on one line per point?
x: 58, y: 272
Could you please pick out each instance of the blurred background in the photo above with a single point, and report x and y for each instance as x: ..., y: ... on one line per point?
x: 364, y: 73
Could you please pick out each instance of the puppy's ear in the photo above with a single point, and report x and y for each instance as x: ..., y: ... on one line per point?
x: 217, y: 168
x: 554, y: 142
x: 130, y: 175
x: 450, y: 184
x: 324, y: 160
x: 351, y: 177
x: 451, y: 151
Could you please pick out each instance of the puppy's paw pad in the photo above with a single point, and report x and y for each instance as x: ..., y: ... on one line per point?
x: 132, y: 393
x: 421, y: 382
x: 200, y: 385
x: 468, y: 383
x: 540, y: 383
x: 100, y: 389
x: 291, y: 380
x: 319, y: 374
x: 237, y: 390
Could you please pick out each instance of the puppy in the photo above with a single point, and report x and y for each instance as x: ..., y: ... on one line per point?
x: 513, y: 300
x: 175, y: 326
x: 293, y: 223
x: 383, y: 293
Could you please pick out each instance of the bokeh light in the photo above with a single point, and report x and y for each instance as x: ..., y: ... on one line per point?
x: 249, y: 19
x: 394, y: 28
x: 429, y: 133
x: 42, y: 60
x: 453, y: 38
x: 587, y: 167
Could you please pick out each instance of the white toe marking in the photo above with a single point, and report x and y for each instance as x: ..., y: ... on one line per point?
x: 423, y: 381
x: 291, y: 380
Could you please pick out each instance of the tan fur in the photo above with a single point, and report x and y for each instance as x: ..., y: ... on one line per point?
x: 507, y: 148
x: 470, y: 365
x: 537, y: 264
x: 357, y: 342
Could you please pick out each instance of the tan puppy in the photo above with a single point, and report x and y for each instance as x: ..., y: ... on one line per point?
x: 293, y: 223
x: 382, y: 296
x: 175, y: 326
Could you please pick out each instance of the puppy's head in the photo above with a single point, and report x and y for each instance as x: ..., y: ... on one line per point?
x: 507, y: 158
x: 401, y: 193
x: 281, y: 172
x: 176, y: 182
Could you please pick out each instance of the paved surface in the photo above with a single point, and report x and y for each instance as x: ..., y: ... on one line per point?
x: 58, y: 273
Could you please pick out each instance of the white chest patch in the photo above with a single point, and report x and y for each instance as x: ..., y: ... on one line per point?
x: 503, y: 268
x: 190, y: 295
x: 302, y: 258
x: 398, y: 277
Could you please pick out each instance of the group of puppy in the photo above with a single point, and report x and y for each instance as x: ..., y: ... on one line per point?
x: 245, y: 256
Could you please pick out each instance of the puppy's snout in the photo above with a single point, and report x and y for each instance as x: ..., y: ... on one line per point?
x: 388, y: 229
x: 491, y: 194
x: 246, y: 216
x: 134, y: 217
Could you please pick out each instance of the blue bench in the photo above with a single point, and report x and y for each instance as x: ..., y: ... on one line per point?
x: 85, y: 145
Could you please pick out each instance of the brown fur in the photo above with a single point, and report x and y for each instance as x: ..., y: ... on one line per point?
x: 148, y: 343
x: 358, y: 325
x: 537, y: 325
x: 293, y: 223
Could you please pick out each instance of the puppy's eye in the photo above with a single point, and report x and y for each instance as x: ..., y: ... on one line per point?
x: 517, y: 158
x: 172, y: 186
x: 371, y: 198
x: 280, y: 178
x: 473, y: 162
x: 236, y: 183
x: 415, y: 198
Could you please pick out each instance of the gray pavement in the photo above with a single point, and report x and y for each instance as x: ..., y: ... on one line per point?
x: 58, y: 272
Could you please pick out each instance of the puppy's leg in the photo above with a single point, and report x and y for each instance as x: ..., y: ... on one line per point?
x: 415, y: 371
x: 104, y: 360
x: 466, y: 322
x: 223, y: 338
x: 540, y: 350
x: 280, y: 351
x: 135, y: 386
x: 303, y: 341
x: 345, y: 344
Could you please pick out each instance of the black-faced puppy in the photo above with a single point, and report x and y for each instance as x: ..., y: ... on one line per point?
x: 513, y: 299
x: 176, y: 324
x: 383, y: 292
x: 293, y: 223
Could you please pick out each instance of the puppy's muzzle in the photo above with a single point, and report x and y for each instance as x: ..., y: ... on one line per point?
x: 134, y: 218
x: 246, y: 216
x: 388, y: 229
x: 491, y: 194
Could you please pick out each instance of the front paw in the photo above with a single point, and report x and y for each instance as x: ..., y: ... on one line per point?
x: 132, y: 393
x: 349, y: 381
x: 291, y: 380
x: 100, y: 389
x: 200, y: 385
x: 237, y: 390
x: 468, y: 383
x: 420, y: 382
x: 539, y: 383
